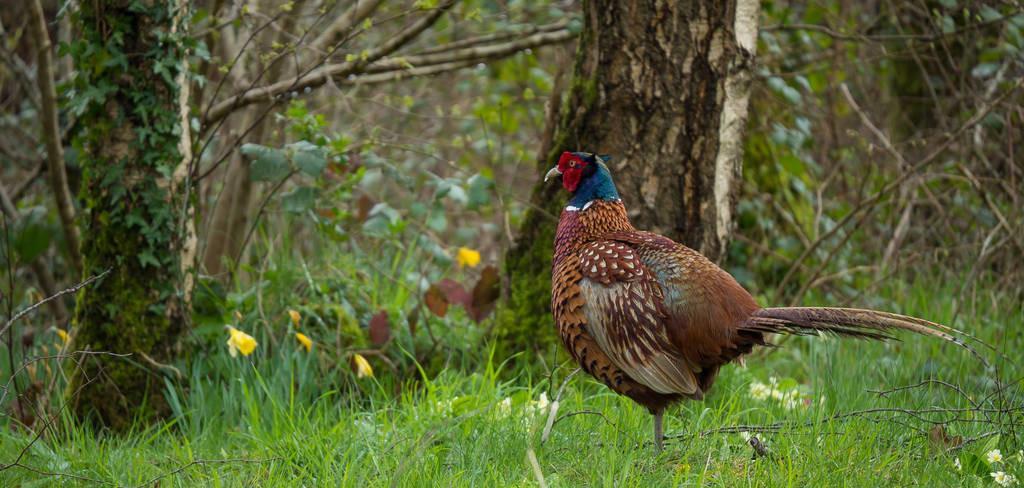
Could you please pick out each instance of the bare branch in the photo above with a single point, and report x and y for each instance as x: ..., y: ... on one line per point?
x: 43, y: 275
x: 892, y: 185
x: 391, y: 69
x: 471, y: 53
x: 59, y: 294
x: 22, y: 73
x: 496, y: 37
x: 51, y: 136
x: 341, y: 26
x: 20, y: 189
x: 843, y: 36
x: 319, y: 76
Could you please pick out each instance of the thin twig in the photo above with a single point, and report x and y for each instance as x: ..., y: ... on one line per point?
x: 59, y: 294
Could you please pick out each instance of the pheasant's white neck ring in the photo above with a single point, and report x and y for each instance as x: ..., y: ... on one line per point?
x: 573, y: 208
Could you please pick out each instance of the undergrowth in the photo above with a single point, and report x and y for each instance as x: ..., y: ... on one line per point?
x: 286, y: 418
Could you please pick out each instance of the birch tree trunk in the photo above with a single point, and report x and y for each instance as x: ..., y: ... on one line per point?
x: 663, y: 87
x: 137, y: 217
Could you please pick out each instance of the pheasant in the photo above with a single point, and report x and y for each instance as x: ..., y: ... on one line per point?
x: 655, y: 320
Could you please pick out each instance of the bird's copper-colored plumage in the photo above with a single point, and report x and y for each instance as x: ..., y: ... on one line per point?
x: 655, y: 320
x: 616, y: 320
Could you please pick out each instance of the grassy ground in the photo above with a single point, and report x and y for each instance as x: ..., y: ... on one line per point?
x: 259, y: 429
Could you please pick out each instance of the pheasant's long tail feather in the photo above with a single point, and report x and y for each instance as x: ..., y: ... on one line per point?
x: 852, y: 322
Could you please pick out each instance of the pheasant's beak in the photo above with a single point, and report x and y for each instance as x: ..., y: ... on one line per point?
x: 552, y: 173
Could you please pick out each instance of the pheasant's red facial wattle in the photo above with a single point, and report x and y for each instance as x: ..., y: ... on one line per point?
x: 571, y: 166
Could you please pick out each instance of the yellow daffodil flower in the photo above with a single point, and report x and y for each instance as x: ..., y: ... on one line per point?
x: 304, y: 340
x: 362, y: 366
x: 467, y: 257
x: 295, y: 317
x: 64, y: 337
x: 240, y: 342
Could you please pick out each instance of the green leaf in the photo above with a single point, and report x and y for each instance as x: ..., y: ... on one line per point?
x: 268, y: 164
x: 792, y: 95
x: 479, y: 190
x: 437, y: 221
x: 308, y: 157
x: 299, y: 200
x: 972, y: 464
x: 32, y: 236
x: 984, y: 70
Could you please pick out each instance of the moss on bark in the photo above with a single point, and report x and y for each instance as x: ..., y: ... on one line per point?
x: 128, y: 58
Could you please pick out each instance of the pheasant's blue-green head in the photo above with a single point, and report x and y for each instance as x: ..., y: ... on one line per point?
x: 586, y: 176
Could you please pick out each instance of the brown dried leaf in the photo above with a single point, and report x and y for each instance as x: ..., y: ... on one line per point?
x: 363, y: 205
x: 485, y: 293
x: 455, y: 292
x: 414, y: 318
x: 436, y: 301
x: 380, y: 328
x: 940, y: 438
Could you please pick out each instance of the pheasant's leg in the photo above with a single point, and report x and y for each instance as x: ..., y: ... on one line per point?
x: 658, y: 435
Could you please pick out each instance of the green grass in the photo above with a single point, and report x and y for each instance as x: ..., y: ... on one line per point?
x: 248, y: 424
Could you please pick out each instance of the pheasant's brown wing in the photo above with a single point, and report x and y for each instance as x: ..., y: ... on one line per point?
x: 567, y: 305
x: 705, y: 305
x: 625, y: 314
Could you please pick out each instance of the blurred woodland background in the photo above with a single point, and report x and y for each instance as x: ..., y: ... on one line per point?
x: 355, y: 185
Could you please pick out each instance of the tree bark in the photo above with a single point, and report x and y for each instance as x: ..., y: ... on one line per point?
x: 137, y: 212
x: 663, y: 88
x: 51, y: 136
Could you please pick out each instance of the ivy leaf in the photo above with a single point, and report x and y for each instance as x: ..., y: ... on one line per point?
x: 380, y: 328
x: 268, y: 164
x: 299, y: 200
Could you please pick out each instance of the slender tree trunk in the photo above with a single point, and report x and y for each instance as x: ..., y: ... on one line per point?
x: 51, y: 136
x: 230, y: 222
x: 662, y: 87
x: 137, y: 216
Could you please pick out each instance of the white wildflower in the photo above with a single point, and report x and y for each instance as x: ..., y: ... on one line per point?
x: 543, y: 402
x: 957, y: 465
x: 759, y: 391
x: 505, y: 407
x: 994, y: 456
x: 1003, y: 479
x: 745, y: 435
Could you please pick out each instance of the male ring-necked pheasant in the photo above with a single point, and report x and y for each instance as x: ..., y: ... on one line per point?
x: 655, y: 320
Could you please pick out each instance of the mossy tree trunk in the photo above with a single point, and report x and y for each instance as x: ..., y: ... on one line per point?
x: 663, y: 88
x: 137, y: 220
